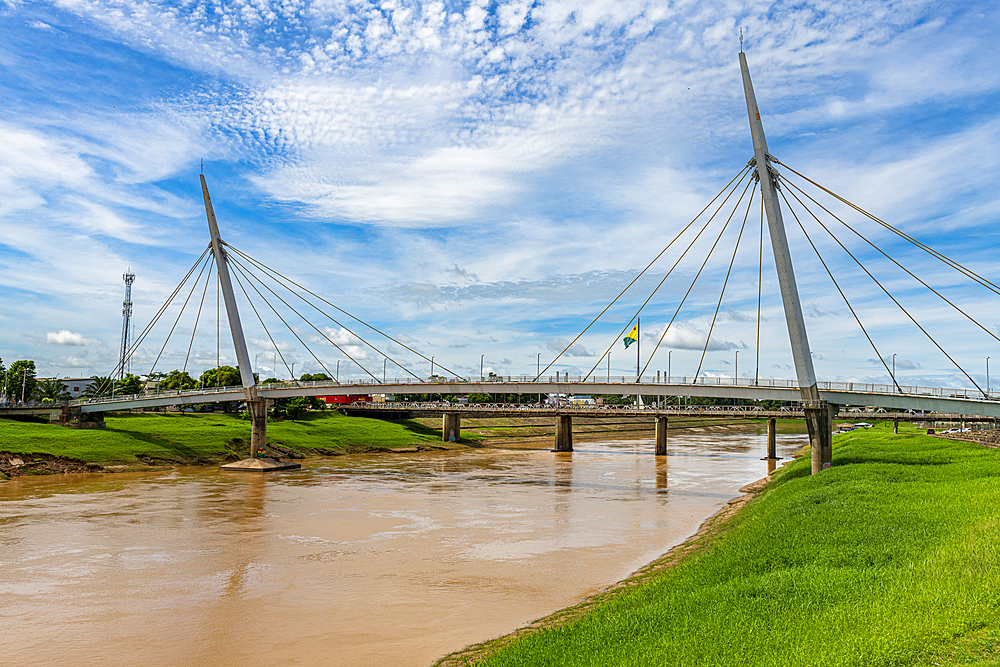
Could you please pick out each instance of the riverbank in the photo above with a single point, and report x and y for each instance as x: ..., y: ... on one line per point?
x: 889, y: 557
x: 155, y: 441
x: 150, y: 441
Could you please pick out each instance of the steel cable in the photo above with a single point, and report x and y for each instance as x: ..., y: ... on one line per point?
x: 743, y: 172
x: 208, y: 279
x: 155, y: 319
x: 732, y: 261
x: 843, y: 296
x: 261, y: 320
x: 334, y: 321
x: 887, y: 293
x: 691, y: 286
x: 275, y: 275
x: 934, y: 253
x: 294, y: 333
x: 660, y: 284
x: 884, y: 254
x: 167, y: 340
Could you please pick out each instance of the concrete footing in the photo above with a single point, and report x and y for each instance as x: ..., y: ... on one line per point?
x: 451, y: 427
x: 564, y: 433
x: 661, y: 436
x: 819, y: 423
x: 259, y: 465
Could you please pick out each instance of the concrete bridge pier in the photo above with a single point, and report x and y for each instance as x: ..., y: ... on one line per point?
x: 257, y: 412
x: 819, y: 423
x: 661, y: 436
x: 771, y: 450
x: 451, y: 427
x: 564, y: 433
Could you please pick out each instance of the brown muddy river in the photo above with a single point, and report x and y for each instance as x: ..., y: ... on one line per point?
x: 356, y: 560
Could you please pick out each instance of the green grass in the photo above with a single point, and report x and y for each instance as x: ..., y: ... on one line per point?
x: 130, y: 439
x: 891, y: 557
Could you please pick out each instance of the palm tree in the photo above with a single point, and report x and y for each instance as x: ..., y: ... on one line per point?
x: 51, y: 390
x: 100, y: 386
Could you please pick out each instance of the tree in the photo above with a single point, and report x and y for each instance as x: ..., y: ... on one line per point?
x: 99, y: 386
x: 290, y: 408
x: 21, y: 379
x: 129, y: 385
x: 52, y: 390
x: 223, y: 376
x: 176, y: 379
x: 314, y: 377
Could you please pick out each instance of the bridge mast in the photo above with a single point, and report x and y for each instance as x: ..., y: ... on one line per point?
x: 256, y: 406
x: 818, y: 413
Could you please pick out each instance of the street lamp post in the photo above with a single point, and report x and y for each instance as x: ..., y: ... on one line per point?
x: 538, y: 365
x: 736, y: 369
x: 481, y: 358
x: 894, y: 370
x: 293, y: 371
x: 432, y: 366
x: 987, y: 377
x: 669, y: 354
x: 338, y: 372
x: 384, y: 361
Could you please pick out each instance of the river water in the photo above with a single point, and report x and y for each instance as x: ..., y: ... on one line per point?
x: 354, y: 560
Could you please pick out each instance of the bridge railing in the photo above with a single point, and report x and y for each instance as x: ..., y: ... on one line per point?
x: 673, y: 386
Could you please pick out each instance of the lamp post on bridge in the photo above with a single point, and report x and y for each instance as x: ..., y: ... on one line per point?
x: 482, y: 357
x: 987, y: 377
x: 432, y: 366
x: 894, y: 371
x: 736, y: 369
x: 338, y: 371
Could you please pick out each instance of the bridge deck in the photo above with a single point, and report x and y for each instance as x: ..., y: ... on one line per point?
x: 921, y: 399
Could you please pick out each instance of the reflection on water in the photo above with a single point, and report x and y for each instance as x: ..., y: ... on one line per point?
x: 353, y: 560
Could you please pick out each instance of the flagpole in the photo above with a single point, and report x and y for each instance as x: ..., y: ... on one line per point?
x: 638, y: 338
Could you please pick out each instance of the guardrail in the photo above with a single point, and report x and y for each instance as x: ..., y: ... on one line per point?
x: 673, y: 386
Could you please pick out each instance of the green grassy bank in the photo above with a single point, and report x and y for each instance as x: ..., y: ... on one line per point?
x: 186, y: 438
x: 891, y: 557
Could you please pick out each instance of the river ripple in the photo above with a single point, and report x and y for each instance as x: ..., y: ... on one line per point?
x: 354, y: 560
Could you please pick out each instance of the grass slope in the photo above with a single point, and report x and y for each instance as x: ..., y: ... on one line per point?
x: 201, y: 438
x: 890, y: 557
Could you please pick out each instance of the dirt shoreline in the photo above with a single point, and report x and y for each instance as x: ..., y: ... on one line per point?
x: 693, y: 545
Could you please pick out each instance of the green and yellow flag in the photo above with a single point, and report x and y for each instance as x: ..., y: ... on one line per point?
x: 632, y: 336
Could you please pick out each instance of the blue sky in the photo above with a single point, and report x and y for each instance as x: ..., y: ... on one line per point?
x: 481, y: 178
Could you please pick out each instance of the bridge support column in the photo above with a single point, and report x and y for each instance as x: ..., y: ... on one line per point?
x: 451, y: 427
x: 257, y: 412
x: 564, y: 433
x: 661, y: 436
x: 819, y: 423
x: 771, y: 449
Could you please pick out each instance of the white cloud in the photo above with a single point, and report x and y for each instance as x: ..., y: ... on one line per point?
x: 67, y: 337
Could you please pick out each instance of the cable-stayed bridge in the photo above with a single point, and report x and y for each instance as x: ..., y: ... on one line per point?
x: 775, y: 187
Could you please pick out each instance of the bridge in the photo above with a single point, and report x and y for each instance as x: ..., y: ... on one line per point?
x: 820, y: 401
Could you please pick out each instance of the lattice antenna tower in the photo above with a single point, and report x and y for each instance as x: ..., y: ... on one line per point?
x: 124, y: 364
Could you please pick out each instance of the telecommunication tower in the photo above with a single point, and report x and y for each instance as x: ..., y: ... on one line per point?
x: 129, y: 278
